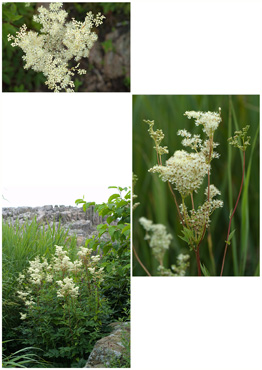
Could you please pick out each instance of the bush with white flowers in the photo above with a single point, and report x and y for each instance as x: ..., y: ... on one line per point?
x: 64, y: 305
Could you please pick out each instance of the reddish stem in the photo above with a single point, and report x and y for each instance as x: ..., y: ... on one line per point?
x: 140, y: 262
x: 198, y: 262
x: 229, y: 226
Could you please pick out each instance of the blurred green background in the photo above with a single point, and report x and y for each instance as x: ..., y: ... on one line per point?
x: 16, y: 79
x: 156, y: 202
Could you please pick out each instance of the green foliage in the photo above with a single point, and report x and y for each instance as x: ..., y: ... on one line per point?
x: 116, y: 249
x: 116, y: 284
x: 204, y: 270
x: 24, y: 358
x: 156, y: 201
x: 16, y: 78
x: 107, y: 45
x: 63, y: 323
x: 21, y: 244
x: 117, y: 211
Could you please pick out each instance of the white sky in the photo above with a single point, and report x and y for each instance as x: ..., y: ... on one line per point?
x: 58, y: 147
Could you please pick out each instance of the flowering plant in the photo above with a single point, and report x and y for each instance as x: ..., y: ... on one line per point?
x: 58, y: 42
x: 63, y: 303
x: 185, y: 173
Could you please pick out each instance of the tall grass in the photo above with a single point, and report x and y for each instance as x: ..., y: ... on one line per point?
x: 156, y: 201
x: 21, y: 244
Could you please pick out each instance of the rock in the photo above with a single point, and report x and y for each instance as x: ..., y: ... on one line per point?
x: 79, y: 223
x: 111, y: 347
x: 117, y: 60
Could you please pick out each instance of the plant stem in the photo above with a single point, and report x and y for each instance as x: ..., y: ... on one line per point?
x: 192, y: 200
x: 159, y: 161
x: 139, y: 261
x: 229, y: 226
x: 198, y: 262
x: 177, y: 207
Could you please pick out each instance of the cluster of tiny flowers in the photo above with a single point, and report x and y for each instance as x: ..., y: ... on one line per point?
x: 240, y: 138
x: 196, y: 220
x: 209, y: 120
x: 157, y: 136
x: 38, y: 271
x: 67, y: 288
x: 185, y: 170
x: 40, y: 274
x: 90, y: 262
x: 176, y: 270
x: 159, y: 239
x: 188, y: 170
x: 59, y: 42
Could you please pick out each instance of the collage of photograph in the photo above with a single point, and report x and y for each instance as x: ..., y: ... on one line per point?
x: 131, y: 206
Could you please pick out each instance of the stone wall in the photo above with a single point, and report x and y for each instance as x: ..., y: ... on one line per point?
x: 81, y: 223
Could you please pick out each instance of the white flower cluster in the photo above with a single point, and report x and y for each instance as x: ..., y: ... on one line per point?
x: 188, y: 170
x: 209, y: 120
x: 159, y: 239
x: 157, y: 136
x: 185, y: 170
x: 176, y: 270
x: 38, y: 271
x: 67, y: 288
x: 200, y: 218
x: 59, y: 42
x: 43, y: 275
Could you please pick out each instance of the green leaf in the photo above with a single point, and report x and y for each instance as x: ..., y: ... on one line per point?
x: 231, y: 235
x: 204, y: 270
x: 112, y: 197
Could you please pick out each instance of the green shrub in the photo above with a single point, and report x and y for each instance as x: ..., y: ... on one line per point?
x: 65, y: 310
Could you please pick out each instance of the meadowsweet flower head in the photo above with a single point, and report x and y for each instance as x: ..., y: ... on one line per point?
x: 157, y: 136
x: 159, y: 239
x: 51, y: 50
x: 61, y: 261
x: 213, y: 191
x: 240, y: 139
x: 209, y: 120
x: 182, y: 264
x: 67, y: 288
x: 37, y: 270
x: 185, y: 170
x: 84, y: 255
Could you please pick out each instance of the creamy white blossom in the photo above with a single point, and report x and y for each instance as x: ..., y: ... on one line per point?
x: 23, y: 316
x: 185, y: 170
x: 159, y: 239
x: 57, y: 43
x: 67, y: 288
x: 209, y: 120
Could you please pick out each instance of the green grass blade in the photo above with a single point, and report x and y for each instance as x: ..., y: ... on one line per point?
x: 245, y: 211
x: 230, y: 192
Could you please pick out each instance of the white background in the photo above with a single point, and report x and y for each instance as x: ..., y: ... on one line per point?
x: 178, y: 47
x: 58, y: 147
